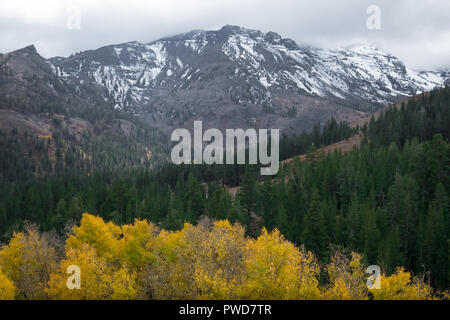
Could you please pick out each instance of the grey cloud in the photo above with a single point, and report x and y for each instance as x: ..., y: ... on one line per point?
x: 416, y: 31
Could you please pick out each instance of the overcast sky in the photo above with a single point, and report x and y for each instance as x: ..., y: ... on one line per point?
x: 417, y: 31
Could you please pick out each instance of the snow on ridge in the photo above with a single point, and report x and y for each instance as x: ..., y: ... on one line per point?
x: 159, y: 53
x: 118, y: 51
x: 263, y: 62
x: 197, y: 42
x: 241, y: 48
x: 180, y: 63
x: 127, y: 80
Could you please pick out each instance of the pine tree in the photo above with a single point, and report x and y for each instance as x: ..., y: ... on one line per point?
x: 60, y: 214
x: 196, y: 194
x: 403, y: 211
x: 394, y: 257
x: 3, y: 217
x: 352, y: 226
x: 76, y: 208
x: 173, y: 220
x: 330, y: 213
x: 370, y: 236
x: 314, y: 234
x: 435, y: 239
x: 248, y: 189
x: 282, y: 223
x: 190, y: 215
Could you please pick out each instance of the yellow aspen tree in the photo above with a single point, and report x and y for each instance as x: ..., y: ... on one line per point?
x: 11, y: 257
x: 28, y: 260
x: 400, y: 286
x: 101, y: 236
x: 220, y: 269
x: 347, y: 278
x: 103, y: 252
x: 96, y: 276
x: 7, y: 288
x: 136, y: 245
x: 99, y: 279
x: 124, y: 284
x: 171, y: 275
x: 277, y: 269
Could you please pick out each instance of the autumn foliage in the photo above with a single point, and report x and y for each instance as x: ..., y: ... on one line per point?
x: 213, y: 260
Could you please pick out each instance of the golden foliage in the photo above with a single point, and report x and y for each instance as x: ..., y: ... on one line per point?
x: 102, y: 237
x: 28, y: 260
x: 209, y: 261
x: 276, y: 269
x: 346, y: 277
x: 400, y: 286
x: 220, y: 269
x: 137, y: 243
x: 170, y: 276
x: 7, y: 288
x: 100, y: 280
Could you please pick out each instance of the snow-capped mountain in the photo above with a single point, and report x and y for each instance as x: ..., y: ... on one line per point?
x: 230, y: 78
x: 253, y: 67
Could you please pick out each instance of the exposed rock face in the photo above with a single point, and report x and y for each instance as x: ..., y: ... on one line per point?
x: 229, y: 78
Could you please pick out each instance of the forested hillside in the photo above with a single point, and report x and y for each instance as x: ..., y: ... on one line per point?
x: 47, y: 128
x: 387, y: 200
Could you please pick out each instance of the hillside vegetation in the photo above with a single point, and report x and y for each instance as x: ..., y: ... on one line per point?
x: 213, y: 260
x: 384, y: 203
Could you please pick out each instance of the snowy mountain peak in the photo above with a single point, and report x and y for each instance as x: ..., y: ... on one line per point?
x: 248, y: 66
x: 365, y: 48
x: 232, y: 28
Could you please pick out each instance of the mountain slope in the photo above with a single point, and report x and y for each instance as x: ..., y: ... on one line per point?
x: 47, y: 127
x: 213, y: 74
x: 28, y: 84
x: 112, y: 105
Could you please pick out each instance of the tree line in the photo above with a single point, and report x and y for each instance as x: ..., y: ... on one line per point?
x: 387, y: 200
x: 213, y: 260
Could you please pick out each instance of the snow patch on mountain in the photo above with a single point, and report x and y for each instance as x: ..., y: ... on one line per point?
x: 260, y: 65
